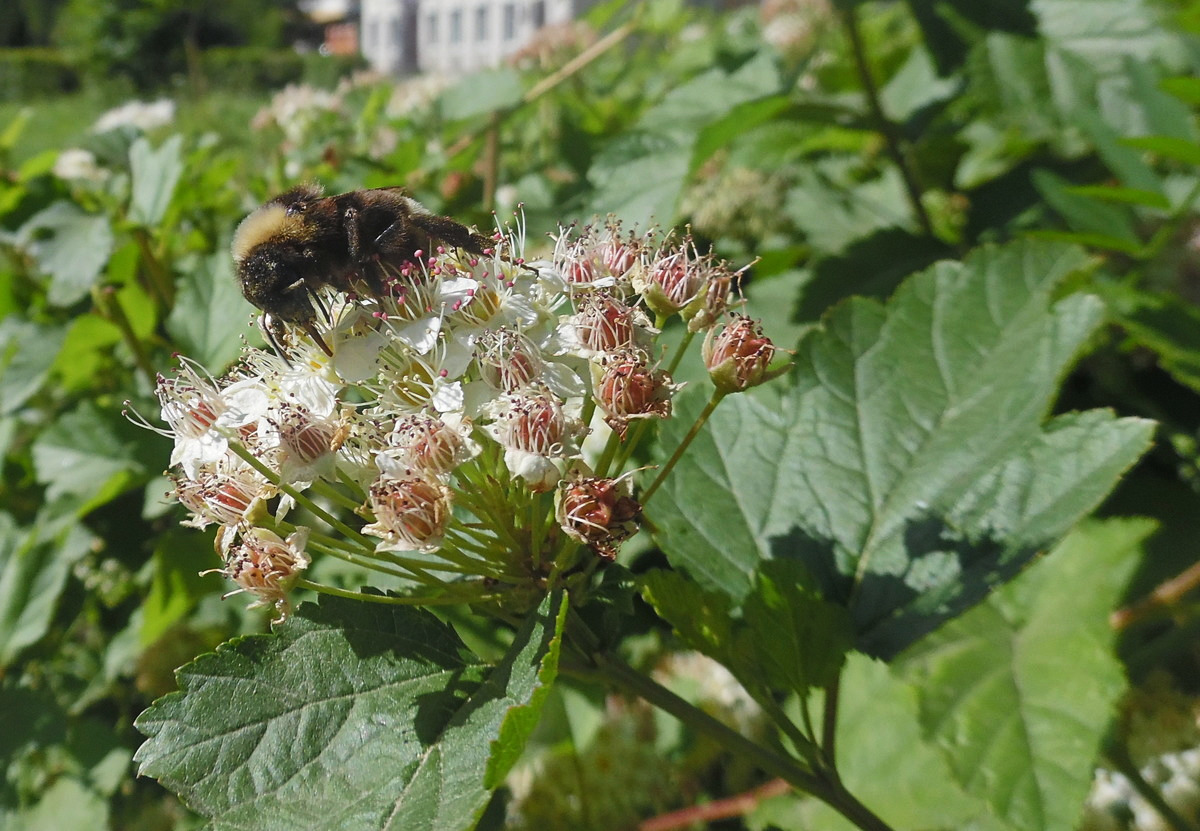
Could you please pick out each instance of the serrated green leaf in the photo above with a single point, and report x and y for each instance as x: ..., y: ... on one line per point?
x: 521, y: 719
x: 792, y: 639
x: 352, y: 716
x: 1020, y: 724
x: 34, y: 566
x: 210, y: 315
x: 69, y: 245
x: 155, y: 173
x: 903, y: 421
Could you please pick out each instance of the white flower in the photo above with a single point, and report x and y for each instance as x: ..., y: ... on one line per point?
x: 143, y: 115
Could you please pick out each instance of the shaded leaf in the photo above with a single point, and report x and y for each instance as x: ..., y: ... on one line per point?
x: 353, y: 715
x: 792, y: 639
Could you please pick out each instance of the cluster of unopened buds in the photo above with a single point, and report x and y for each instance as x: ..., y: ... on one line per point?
x: 465, y: 433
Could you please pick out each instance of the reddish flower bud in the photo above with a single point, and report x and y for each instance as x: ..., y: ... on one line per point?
x: 507, y: 361
x: 740, y: 356
x: 629, y: 388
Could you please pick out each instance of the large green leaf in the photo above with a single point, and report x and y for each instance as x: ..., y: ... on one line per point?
x: 910, y: 466
x: 1020, y: 722
x: 885, y: 762
x: 352, y: 716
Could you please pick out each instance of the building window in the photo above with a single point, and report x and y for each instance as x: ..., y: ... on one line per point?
x: 431, y: 28
x: 510, y: 21
x: 481, y: 23
x: 397, y: 31
x: 538, y: 12
x: 456, y: 26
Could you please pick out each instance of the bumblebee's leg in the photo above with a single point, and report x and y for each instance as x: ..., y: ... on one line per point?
x: 353, y: 243
x: 448, y: 230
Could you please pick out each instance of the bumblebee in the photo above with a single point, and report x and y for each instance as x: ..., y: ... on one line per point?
x: 302, y: 241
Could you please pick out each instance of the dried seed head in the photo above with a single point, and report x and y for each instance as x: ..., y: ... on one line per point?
x: 600, y: 513
x: 267, y: 567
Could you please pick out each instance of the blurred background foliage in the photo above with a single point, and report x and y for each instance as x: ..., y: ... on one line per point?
x: 841, y: 145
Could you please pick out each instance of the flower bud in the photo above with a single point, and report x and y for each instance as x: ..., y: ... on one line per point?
x: 740, y: 356
x: 629, y: 388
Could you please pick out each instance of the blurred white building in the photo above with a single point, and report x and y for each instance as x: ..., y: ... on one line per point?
x: 453, y: 37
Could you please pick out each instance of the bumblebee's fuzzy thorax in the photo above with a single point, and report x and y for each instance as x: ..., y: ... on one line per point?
x: 270, y: 223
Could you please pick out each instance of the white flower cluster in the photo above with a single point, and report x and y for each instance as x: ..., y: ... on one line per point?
x: 142, y: 115
x: 444, y: 413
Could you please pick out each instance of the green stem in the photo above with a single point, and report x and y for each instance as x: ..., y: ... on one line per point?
x: 683, y: 445
x: 826, y: 787
x: 330, y: 492
x: 301, y: 498
x: 1120, y: 758
x: 886, y: 127
x: 106, y: 300
x: 445, y: 600
x: 684, y: 343
x: 606, y: 456
x: 161, y: 286
x: 829, y: 722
